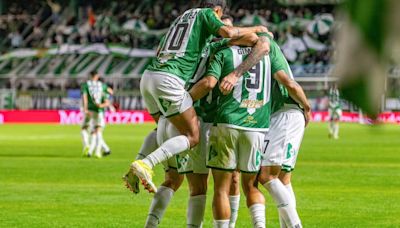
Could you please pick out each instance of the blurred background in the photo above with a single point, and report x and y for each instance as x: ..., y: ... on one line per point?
x: 48, y: 47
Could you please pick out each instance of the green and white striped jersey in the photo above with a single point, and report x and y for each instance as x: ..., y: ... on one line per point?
x: 249, y: 105
x: 96, y: 92
x: 179, y: 53
x: 280, y: 95
x: 334, y: 99
x: 206, y: 107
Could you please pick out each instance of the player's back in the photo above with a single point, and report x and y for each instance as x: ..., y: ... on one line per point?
x: 179, y: 51
x: 248, y: 106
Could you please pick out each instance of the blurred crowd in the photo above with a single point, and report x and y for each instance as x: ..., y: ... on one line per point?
x: 140, y: 24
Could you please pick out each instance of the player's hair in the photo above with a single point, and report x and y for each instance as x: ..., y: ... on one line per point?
x: 213, y: 4
x: 93, y: 73
x: 225, y: 16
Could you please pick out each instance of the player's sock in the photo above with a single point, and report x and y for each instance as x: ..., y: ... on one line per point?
x: 149, y: 145
x: 331, y: 129
x: 289, y: 188
x: 257, y: 212
x: 98, y: 144
x: 234, y: 201
x: 167, y: 150
x: 93, y: 143
x: 195, y: 211
x: 282, y: 199
x: 85, y: 137
x: 158, y: 206
x: 221, y: 223
x: 336, y: 130
x: 103, y: 144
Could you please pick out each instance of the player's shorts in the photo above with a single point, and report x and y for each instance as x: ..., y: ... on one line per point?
x: 94, y: 119
x: 194, y: 161
x: 164, y: 93
x: 335, y: 114
x: 282, y: 142
x: 232, y: 149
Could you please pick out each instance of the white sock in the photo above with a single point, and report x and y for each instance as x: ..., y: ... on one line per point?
x: 331, y: 128
x: 336, y: 131
x: 93, y: 143
x: 85, y: 137
x: 149, y: 145
x: 104, y: 145
x: 234, y: 201
x: 158, y: 206
x: 282, y: 199
x: 167, y: 150
x: 289, y: 188
x: 221, y: 223
x: 98, y: 144
x: 257, y: 212
x: 195, y: 211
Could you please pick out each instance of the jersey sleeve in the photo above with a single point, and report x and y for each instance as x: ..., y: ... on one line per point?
x: 211, y: 22
x: 215, y: 65
x: 219, y: 45
x: 278, y: 60
x: 84, y: 89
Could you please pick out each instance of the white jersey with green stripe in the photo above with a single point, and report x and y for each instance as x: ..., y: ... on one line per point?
x: 334, y: 99
x: 180, y: 50
x: 248, y: 107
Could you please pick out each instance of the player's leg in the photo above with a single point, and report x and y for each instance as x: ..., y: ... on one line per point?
x: 173, y: 180
x: 103, y: 145
x: 222, y: 159
x: 168, y: 95
x: 250, y: 146
x: 234, y: 198
x: 85, y: 134
x: 198, y: 178
x: 197, y: 200
x: 286, y: 178
x: 221, y: 207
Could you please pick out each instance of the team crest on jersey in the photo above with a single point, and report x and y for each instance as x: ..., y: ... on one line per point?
x: 165, y: 104
x: 250, y: 120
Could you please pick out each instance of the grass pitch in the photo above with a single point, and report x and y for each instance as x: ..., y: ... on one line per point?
x: 44, y: 181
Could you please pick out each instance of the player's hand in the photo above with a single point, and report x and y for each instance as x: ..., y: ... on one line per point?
x: 262, y: 29
x: 87, y: 112
x: 227, y: 83
x: 307, y: 116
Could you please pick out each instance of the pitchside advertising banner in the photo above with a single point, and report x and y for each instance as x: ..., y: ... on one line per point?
x: 68, y: 117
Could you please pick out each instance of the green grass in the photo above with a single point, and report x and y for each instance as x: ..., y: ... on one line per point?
x: 352, y: 182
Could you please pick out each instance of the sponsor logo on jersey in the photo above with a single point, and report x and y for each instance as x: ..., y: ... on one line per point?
x: 251, y: 104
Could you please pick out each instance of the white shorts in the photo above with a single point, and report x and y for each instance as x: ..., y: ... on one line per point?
x: 335, y: 114
x: 194, y: 161
x: 233, y: 149
x: 164, y: 93
x: 282, y: 142
x: 94, y: 119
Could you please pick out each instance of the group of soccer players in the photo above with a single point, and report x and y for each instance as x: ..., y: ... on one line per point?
x: 228, y: 104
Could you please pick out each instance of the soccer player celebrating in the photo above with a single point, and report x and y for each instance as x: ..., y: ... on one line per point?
x: 290, y: 114
x: 335, y: 112
x: 237, y: 140
x: 163, y: 83
x: 94, y: 99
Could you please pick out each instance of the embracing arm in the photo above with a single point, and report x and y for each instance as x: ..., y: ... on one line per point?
x: 259, y: 50
x: 295, y: 91
x: 203, y: 87
x: 236, y: 32
x: 105, y: 104
x: 85, y: 102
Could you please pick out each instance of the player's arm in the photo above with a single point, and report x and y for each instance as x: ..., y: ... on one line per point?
x: 259, y: 50
x: 212, y: 75
x: 110, y: 90
x: 295, y: 91
x: 85, y: 102
x: 237, y: 32
x: 203, y: 87
x: 248, y: 40
x: 105, y: 104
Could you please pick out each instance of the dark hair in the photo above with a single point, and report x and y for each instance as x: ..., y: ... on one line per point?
x: 93, y: 73
x: 225, y: 16
x: 213, y: 4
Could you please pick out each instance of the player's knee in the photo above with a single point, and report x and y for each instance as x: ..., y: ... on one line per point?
x: 173, y: 184
x: 265, y: 177
x: 194, y: 138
